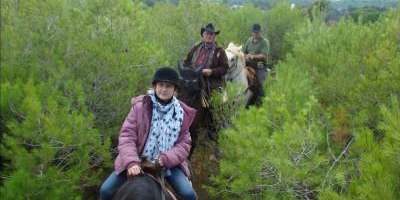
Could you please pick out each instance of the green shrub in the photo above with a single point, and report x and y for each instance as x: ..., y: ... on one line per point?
x: 50, y: 146
x: 321, y: 132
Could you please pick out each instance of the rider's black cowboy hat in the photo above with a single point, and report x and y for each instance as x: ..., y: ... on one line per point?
x: 209, y: 28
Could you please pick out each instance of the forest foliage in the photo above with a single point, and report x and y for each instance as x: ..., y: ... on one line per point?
x: 327, y: 124
x: 327, y: 127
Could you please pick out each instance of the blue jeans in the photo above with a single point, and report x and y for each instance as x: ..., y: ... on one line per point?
x: 177, y: 179
x: 181, y: 184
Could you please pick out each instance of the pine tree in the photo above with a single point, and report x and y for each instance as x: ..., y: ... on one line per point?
x: 325, y: 129
x: 50, y: 146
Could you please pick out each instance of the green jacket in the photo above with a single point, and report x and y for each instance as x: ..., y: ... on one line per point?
x: 260, y: 47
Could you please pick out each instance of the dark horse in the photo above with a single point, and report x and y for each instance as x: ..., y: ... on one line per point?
x: 192, y: 84
x: 147, y: 186
x: 193, y: 93
x: 141, y: 187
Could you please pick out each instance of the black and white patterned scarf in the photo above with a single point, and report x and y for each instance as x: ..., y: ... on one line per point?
x: 165, y: 126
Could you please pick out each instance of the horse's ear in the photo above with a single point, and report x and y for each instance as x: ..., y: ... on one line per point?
x: 180, y: 66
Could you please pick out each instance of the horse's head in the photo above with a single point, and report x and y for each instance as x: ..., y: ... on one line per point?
x: 236, y: 60
x: 142, y: 187
x: 191, y: 85
x: 233, y: 53
x: 148, y: 185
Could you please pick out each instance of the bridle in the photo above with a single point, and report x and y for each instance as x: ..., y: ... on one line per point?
x: 161, y: 181
x: 233, y: 70
x: 157, y: 173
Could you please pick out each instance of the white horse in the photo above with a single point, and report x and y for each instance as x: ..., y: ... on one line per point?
x: 237, y: 72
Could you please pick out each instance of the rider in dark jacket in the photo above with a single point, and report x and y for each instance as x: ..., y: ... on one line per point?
x: 208, y: 57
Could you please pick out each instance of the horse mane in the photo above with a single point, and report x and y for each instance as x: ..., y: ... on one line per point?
x: 138, y: 188
x: 142, y: 187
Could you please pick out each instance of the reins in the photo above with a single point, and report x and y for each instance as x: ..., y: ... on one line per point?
x: 161, y: 181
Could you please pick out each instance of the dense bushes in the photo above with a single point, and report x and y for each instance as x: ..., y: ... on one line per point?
x: 69, y: 68
x: 50, y: 146
x: 326, y: 126
x: 110, y: 46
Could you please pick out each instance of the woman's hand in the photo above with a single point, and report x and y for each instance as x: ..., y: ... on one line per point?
x: 207, y: 72
x: 134, y: 170
x: 160, y: 162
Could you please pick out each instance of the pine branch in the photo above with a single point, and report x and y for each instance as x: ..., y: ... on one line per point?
x: 20, y: 116
x: 329, y: 145
x: 337, y: 160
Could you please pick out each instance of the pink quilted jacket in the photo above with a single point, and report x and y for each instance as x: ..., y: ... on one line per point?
x: 134, y: 132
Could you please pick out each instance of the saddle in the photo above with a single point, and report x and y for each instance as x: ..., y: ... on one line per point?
x: 251, y: 78
x: 156, y: 172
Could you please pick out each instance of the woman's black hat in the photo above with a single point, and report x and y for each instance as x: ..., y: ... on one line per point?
x: 166, y: 74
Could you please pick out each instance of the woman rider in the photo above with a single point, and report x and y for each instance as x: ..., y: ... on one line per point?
x: 157, y: 127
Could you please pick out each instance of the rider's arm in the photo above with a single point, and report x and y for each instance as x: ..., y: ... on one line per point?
x: 264, y: 51
x: 188, y: 59
x: 127, y: 149
x: 223, y: 66
x: 179, y: 152
x: 260, y: 57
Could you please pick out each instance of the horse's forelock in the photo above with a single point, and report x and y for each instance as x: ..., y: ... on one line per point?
x: 231, y: 45
x: 234, y: 49
x: 229, y: 54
